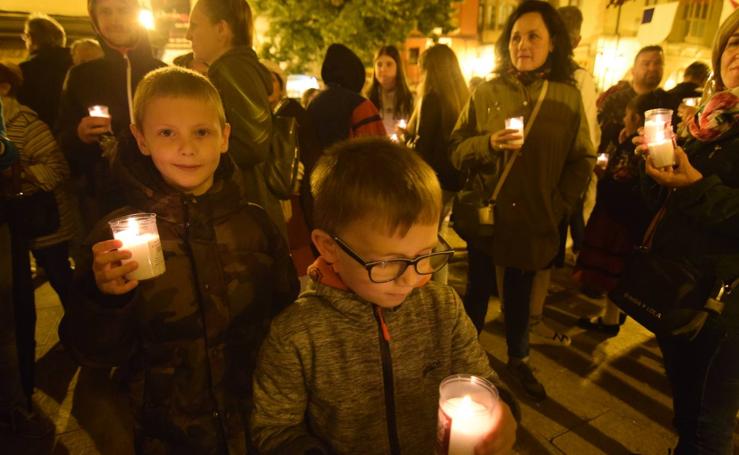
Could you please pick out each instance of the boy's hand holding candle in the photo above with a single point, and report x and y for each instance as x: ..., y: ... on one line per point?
x: 110, y: 274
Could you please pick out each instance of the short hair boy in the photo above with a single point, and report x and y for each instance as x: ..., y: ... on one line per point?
x: 354, y: 366
x: 189, y: 337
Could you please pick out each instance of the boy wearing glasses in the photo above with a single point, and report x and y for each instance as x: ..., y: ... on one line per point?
x: 354, y: 366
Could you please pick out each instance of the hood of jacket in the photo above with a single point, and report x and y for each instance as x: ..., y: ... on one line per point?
x: 145, y: 189
x: 140, y: 49
x: 342, y: 67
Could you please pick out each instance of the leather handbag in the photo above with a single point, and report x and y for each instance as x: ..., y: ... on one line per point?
x: 283, y: 165
x: 474, y: 213
x: 669, y: 296
x: 31, y: 215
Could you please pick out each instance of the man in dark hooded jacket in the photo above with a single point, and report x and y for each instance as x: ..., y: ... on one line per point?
x: 110, y: 81
x: 339, y: 112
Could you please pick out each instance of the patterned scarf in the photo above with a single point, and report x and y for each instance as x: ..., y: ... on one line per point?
x: 716, y: 118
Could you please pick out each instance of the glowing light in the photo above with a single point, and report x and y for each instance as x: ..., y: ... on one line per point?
x: 613, y: 59
x: 477, y: 62
x: 146, y: 19
x: 299, y: 83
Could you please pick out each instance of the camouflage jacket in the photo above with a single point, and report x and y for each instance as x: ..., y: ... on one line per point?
x: 188, y: 339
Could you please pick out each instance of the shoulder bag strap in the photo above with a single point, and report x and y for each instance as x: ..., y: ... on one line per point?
x: 526, y: 129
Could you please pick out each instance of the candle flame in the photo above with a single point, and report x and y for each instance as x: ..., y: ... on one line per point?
x: 133, y: 227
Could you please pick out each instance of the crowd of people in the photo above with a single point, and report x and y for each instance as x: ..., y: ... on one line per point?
x: 310, y: 313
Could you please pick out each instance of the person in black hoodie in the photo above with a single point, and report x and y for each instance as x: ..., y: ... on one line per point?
x: 46, y: 66
x: 110, y: 81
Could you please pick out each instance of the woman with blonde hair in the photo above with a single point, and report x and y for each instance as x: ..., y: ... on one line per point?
x: 442, y: 95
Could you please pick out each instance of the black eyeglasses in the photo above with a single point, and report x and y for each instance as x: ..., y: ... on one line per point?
x: 392, y: 269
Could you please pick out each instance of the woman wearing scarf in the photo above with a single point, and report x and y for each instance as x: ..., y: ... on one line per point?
x: 701, y: 226
x: 545, y: 181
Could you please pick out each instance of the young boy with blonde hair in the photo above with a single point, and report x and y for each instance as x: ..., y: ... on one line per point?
x: 186, y: 339
x: 354, y: 366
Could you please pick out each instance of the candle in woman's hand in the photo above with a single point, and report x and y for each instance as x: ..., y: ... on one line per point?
x: 466, y: 405
x: 658, y: 134
x: 515, y: 123
x: 98, y: 110
x: 140, y: 236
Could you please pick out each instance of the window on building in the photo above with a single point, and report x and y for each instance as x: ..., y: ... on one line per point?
x: 696, y: 16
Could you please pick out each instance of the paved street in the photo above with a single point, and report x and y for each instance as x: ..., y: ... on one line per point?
x: 606, y: 395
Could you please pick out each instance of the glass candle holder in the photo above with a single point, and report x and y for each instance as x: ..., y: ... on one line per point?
x: 98, y: 110
x: 466, y: 405
x: 139, y: 235
x: 515, y: 123
x: 692, y: 101
x: 658, y: 134
x: 602, y: 160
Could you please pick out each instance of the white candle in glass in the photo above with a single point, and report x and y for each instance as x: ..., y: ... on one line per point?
x: 602, y: 160
x: 470, y: 424
x: 402, y: 124
x: 394, y: 138
x: 658, y: 134
x: 692, y: 101
x: 98, y: 110
x: 515, y: 123
x: 139, y: 235
x: 466, y: 405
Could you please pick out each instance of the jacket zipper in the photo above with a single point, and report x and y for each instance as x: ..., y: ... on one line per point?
x: 387, y: 378
x: 217, y: 413
x: 129, y: 88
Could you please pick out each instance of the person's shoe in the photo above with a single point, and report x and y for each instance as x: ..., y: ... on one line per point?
x: 523, y: 374
x: 25, y: 424
x: 596, y: 323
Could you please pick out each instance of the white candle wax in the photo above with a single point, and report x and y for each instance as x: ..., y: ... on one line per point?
x: 402, y: 124
x: 394, y: 137
x: 515, y: 123
x: 470, y: 423
x: 146, y: 250
x: 662, y: 153
x: 98, y: 111
x: 602, y: 160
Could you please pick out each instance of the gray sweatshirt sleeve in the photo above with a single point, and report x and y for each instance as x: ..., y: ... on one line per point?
x: 280, y: 396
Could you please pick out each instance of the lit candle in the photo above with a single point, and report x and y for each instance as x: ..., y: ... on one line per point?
x: 515, y: 123
x: 602, y: 160
x: 394, y: 137
x: 658, y: 134
x: 402, y: 124
x: 692, y: 102
x: 140, y: 236
x: 466, y: 406
x: 98, y: 110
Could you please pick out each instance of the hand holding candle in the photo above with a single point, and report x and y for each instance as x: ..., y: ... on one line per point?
x: 98, y: 110
x: 107, y: 268
x: 515, y: 123
x: 138, y: 234
x: 96, y: 124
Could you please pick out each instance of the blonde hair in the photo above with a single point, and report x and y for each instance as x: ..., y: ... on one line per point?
x: 173, y: 81
x: 375, y: 179
x: 725, y: 31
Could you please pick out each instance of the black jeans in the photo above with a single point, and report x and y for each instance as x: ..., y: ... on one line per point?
x: 517, y: 303
x: 704, y: 375
x: 480, y: 286
x: 24, y: 309
x: 54, y: 260
x: 11, y: 392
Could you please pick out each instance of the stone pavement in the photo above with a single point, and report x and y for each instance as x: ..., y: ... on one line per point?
x: 606, y: 395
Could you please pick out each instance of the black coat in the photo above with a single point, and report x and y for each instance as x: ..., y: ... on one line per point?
x: 100, y: 82
x: 43, y: 78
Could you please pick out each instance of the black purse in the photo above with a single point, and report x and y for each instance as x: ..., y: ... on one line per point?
x: 283, y: 165
x: 31, y: 215
x: 668, y: 296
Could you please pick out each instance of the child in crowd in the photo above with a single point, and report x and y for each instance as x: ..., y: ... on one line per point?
x: 354, y: 366
x: 187, y: 340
